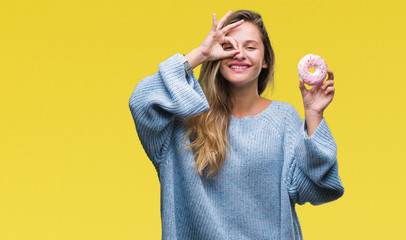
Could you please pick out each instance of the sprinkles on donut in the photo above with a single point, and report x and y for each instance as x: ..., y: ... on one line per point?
x: 309, y: 61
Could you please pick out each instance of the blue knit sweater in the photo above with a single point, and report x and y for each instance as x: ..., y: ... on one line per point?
x: 272, y: 164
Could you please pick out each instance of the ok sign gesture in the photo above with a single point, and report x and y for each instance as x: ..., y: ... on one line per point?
x: 211, y: 46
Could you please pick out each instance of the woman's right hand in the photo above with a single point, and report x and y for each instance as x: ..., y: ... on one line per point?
x: 211, y: 48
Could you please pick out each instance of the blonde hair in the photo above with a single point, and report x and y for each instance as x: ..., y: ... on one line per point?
x: 207, y: 131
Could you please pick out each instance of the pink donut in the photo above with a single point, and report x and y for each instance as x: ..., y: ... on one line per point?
x: 308, y: 61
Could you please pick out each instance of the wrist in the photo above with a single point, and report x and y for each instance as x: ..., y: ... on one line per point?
x: 313, y: 120
x: 196, y: 57
x: 311, y: 114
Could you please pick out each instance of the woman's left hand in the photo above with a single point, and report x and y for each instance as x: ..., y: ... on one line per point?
x: 317, y: 98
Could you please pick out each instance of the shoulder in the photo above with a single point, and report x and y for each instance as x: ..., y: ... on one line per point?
x: 282, y: 105
x: 283, y: 114
x: 278, y: 116
x: 284, y: 109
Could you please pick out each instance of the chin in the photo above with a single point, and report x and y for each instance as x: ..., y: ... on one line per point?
x: 239, y: 82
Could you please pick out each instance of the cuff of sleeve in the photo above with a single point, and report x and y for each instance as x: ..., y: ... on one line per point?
x: 174, y: 65
x: 322, y: 136
x: 320, y: 152
x: 173, y: 73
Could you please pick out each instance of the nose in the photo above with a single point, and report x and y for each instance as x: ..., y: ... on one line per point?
x: 240, y: 55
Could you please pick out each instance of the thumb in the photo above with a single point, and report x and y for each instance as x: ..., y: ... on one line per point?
x: 302, y: 87
x: 228, y: 54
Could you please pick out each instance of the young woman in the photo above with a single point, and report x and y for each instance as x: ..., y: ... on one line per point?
x: 232, y: 164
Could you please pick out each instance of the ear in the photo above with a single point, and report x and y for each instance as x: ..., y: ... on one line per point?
x: 265, y: 65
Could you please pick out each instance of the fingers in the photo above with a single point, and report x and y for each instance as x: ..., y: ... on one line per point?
x: 328, y: 87
x: 221, y: 22
x: 330, y: 90
x: 327, y: 84
x: 232, y: 41
x: 228, y: 28
x: 214, y: 27
x: 228, y: 54
x: 235, y: 46
x: 330, y: 79
x: 330, y: 74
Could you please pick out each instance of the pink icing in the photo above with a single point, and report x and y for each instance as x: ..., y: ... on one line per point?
x: 309, y: 61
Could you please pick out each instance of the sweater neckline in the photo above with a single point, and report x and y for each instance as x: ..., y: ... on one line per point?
x: 254, y: 116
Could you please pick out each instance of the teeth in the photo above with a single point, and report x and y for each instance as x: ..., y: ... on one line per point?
x: 239, y: 67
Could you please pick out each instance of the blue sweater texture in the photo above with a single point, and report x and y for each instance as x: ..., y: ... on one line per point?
x: 272, y: 164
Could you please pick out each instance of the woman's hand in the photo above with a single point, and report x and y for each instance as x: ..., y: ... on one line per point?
x: 316, y: 99
x: 211, y: 48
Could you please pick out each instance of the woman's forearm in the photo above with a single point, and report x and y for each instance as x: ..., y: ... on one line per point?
x: 312, y: 121
x: 195, y: 57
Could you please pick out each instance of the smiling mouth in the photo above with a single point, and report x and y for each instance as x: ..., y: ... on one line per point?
x: 239, y: 68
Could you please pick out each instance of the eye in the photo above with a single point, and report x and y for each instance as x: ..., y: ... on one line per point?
x: 228, y: 48
x: 252, y: 48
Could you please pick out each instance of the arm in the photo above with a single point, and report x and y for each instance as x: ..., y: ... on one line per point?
x: 312, y: 121
x: 170, y: 92
x: 158, y: 99
x: 316, y: 100
x: 313, y: 168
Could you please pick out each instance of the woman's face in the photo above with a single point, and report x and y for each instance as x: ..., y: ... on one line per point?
x: 245, y: 66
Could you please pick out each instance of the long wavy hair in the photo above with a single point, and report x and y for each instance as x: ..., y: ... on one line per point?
x: 207, y: 131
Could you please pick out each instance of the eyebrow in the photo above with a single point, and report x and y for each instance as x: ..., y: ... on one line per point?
x: 247, y: 41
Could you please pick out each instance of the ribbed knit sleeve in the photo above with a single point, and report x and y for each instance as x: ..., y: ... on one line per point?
x: 313, y: 168
x: 158, y: 99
